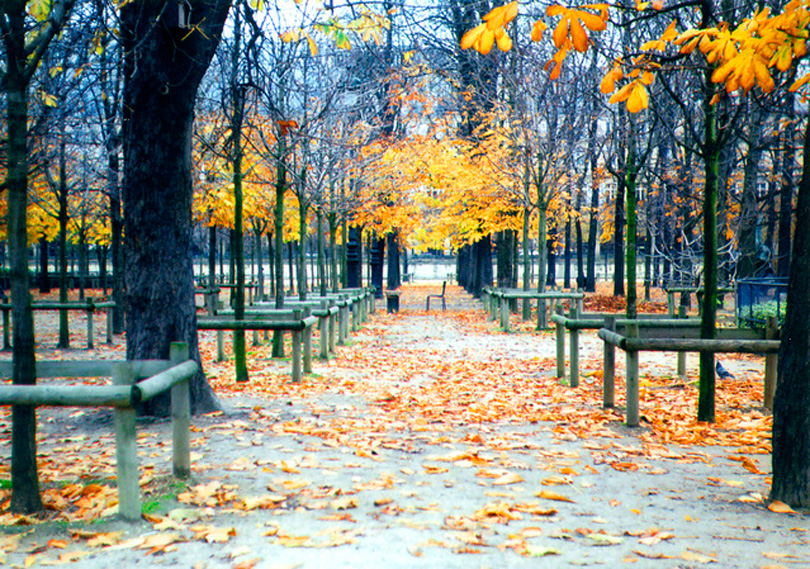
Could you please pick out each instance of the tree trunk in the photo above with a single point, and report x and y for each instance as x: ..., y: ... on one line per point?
x: 711, y: 157
x: 278, y: 230
x: 64, y: 332
x: 237, y: 99
x: 376, y: 262
x: 44, y: 278
x: 393, y: 280
x: 749, y: 215
x: 25, y: 496
x: 163, y: 68
x: 354, y: 257
x: 791, y: 410
x: 786, y: 200
x: 618, y: 239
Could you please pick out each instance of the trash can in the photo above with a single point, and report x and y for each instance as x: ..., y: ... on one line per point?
x: 392, y: 301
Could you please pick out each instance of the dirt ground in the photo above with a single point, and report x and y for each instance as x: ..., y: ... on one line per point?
x: 432, y: 440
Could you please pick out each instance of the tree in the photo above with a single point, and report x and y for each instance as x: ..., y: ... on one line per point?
x: 26, y: 37
x: 167, y: 54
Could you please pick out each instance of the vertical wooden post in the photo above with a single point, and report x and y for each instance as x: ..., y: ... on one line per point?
x: 682, y: 355
x: 91, y: 308
x: 323, y: 326
x: 355, y: 309
x: 631, y: 380
x: 307, y: 343
x: 609, y: 377
x: 342, y: 322
x: 771, y: 361
x: 504, y: 306
x: 671, y: 304
x: 220, y: 339
x: 181, y: 416
x: 542, y: 319
x: 297, y: 340
x: 333, y: 318
x: 560, y: 344
x: 126, y: 452
x: 573, y: 339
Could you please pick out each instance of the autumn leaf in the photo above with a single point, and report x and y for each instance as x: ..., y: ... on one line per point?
x: 549, y: 495
x: 780, y: 508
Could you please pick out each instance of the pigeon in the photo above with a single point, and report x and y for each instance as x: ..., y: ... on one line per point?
x: 722, y: 372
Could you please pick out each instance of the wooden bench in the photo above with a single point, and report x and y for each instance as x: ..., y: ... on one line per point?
x: 125, y: 393
x: 439, y: 296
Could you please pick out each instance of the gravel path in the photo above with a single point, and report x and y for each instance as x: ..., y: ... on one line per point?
x: 381, y: 476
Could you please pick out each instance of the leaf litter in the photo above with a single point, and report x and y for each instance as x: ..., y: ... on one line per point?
x: 408, y: 383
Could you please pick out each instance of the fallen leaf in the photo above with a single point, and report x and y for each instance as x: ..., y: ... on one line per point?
x: 696, y: 557
x: 780, y: 508
x: 548, y: 495
x: 508, y: 478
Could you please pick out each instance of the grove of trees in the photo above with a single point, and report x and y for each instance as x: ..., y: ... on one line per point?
x: 251, y: 133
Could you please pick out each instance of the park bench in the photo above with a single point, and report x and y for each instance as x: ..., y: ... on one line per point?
x: 729, y: 340
x: 439, y: 296
x: 134, y: 382
x: 498, y: 300
x: 89, y: 307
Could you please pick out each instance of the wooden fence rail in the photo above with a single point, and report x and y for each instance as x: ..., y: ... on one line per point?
x: 89, y: 307
x: 157, y: 376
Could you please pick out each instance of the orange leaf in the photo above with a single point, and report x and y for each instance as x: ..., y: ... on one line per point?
x: 780, y: 508
x: 549, y: 495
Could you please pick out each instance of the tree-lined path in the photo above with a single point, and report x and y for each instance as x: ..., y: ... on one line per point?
x: 431, y: 440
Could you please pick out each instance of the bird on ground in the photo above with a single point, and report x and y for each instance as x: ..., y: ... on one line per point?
x: 722, y: 372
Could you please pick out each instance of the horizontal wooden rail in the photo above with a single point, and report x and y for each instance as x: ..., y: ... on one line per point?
x: 123, y: 395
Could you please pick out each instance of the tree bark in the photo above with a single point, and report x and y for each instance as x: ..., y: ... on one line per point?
x: 791, y: 410
x: 163, y: 69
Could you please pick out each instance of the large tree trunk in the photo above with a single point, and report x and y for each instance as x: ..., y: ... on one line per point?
x: 791, y: 411
x: 163, y: 68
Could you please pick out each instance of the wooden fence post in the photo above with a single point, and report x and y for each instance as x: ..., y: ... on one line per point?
x: 681, y: 355
x: 631, y: 380
x: 181, y: 416
x: 573, y: 339
x: 333, y: 325
x: 609, y: 377
x: 297, y: 337
x: 126, y: 452
x: 771, y: 361
x: 560, y: 344
x: 307, y: 344
x: 503, y: 303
